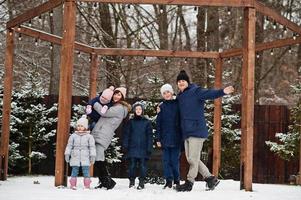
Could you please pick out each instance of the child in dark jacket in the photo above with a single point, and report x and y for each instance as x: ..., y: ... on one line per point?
x: 138, y: 144
x: 168, y: 136
x: 104, y: 98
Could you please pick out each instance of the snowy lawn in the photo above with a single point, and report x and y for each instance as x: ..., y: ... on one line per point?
x: 19, y: 188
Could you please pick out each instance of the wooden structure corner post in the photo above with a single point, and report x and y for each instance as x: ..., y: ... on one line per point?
x: 217, y: 119
x: 7, y: 94
x: 248, y: 74
x: 65, y: 89
x: 93, y: 75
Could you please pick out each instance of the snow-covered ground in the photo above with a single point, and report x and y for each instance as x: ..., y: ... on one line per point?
x: 22, y: 188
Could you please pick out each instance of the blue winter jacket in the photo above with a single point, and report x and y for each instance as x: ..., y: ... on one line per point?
x: 191, y: 104
x: 137, y: 138
x: 95, y: 115
x: 168, y: 130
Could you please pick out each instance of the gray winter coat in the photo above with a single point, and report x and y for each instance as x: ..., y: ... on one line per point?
x: 81, y: 147
x: 105, y: 127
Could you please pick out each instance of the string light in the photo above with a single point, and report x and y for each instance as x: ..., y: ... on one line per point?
x: 290, y: 49
x: 161, y: 9
x: 257, y: 55
x: 51, y: 13
x: 122, y: 59
x: 51, y: 47
x: 19, y: 28
x: 30, y: 24
x: 272, y: 52
x: 285, y: 30
x: 144, y: 59
x: 294, y: 36
x: 185, y: 61
x: 20, y: 37
x: 36, y: 42
x: 102, y: 59
x: 229, y: 11
x: 229, y: 60
x: 166, y: 60
x: 274, y: 25
x: 40, y: 18
x: 78, y: 54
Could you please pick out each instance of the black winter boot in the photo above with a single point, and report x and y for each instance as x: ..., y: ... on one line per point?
x: 132, y: 182
x: 168, y: 184
x: 109, y: 183
x: 141, y: 184
x: 186, y: 187
x: 211, y: 182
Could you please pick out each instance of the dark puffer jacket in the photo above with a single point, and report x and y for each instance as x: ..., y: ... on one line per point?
x: 191, y: 104
x: 137, y: 138
x: 168, y: 130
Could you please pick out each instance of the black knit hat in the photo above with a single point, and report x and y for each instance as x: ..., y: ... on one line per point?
x: 183, y: 76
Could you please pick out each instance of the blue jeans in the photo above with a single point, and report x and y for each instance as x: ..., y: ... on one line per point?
x: 133, y: 164
x: 171, y: 163
x: 85, y: 170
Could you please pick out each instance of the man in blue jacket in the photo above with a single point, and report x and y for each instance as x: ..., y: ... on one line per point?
x: 194, y: 130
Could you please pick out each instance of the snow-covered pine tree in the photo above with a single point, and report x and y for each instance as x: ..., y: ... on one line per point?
x: 288, y: 146
x: 32, y: 122
x: 113, y: 153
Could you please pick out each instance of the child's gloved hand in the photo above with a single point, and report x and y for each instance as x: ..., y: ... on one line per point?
x: 88, y: 109
x: 67, y: 158
x: 92, y: 159
x: 104, y: 109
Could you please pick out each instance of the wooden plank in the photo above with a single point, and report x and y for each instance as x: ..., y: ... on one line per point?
x: 7, y: 94
x: 260, y: 7
x: 51, y: 38
x: 263, y: 46
x: 232, y: 3
x: 217, y: 119
x: 248, y: 94
x: 154, y: 53
x: 93, y: 76
x: 34, y: 12
x: 65, y: 90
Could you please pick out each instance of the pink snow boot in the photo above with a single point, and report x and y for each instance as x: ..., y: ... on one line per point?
x: 87, y: 182
x: 72, y: 182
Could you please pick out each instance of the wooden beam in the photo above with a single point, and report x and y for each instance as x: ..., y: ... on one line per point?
x: 260, y: 7
x: 230, y: 3
x: 217, y: 119
x: 154, y: 53
x: 7, y: 94
x: 263, y: 46
x: 248, y: 75
x: 93, y: 76
x: 34, y: 12
x: 65, y: 90
x: 51, y: 38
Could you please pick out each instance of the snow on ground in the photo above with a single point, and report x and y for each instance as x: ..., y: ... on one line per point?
x: 23, y: 188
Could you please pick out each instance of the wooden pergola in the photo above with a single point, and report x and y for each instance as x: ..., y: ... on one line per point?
x: 69, y: 45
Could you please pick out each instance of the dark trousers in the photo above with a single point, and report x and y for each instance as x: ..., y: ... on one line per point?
x: 134, y: 163
x: 171, y: 163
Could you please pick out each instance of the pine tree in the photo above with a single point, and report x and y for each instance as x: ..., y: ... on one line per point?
x: 32, y: 123
x: 288, y: 146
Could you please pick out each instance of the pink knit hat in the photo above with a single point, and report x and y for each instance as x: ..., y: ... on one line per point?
x: 122, y: 90
x: 107, y: 94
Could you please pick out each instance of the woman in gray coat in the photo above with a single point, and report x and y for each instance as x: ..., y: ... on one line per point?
x: 104, y: 131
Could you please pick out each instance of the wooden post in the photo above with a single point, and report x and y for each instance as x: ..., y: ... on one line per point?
x: 65, y: 90
x: 217, y: 119
x: 7, y: 94
x: 93, y: 86
x: 93, y: 76
x: 248, y: 95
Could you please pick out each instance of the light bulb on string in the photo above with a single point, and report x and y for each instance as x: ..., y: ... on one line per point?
x: 29, y: 23
x: 144, y: 59
x: 166, y: 60
x: 294, y: 36
x: 290, y: 49
x: 78, y: 54
x: 40, y: 18
x: 102, y: 59
x: 229, y: 11
x: 274, y: 25
x: 51, y: 47
x: 285, y: 30
x: 185, y: 61
x: 122, y: 59
x: 272, y: 52
x: 20, y: 37
x: 161, y: 9
x: 51, y: 13
x: 229, y: 60
x: 36, y: 42
x: 19, y: 28
x: 257, y: 55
